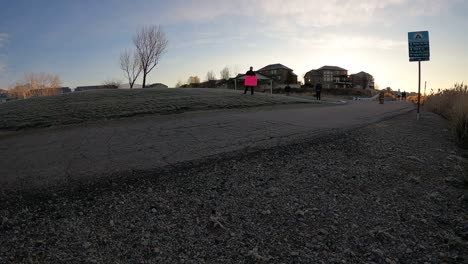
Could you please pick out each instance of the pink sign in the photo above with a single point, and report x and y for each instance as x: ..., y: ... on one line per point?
x: 250, y: 80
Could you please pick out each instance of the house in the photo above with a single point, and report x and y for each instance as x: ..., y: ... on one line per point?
x: 362, y: 80
x: 328, y: 76
x: 279, y: 73
x: 64, y: 90
x: 157, y: 85
x: 95, y: 87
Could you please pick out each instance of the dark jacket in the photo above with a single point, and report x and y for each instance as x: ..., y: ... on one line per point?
x: 318, y: 87
x: 250, y: 73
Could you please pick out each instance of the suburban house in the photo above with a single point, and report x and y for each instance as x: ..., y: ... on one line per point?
x: 279, y: 73
x: 362, y: 80
x: 328, y: 76
x: 95, y: 87
x: 157, y: 85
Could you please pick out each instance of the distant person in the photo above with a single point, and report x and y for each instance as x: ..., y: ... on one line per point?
x: 403, y: 96
x: 381, y: 97
x: 251, y: 85
x: 399, y: 95
x: 318, y: 90
x: 287, y: 89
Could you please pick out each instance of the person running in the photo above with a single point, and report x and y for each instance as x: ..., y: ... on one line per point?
x: 250, y: 73
x: 318, y: 90
x: 399, y: 95
x: 403, y: 96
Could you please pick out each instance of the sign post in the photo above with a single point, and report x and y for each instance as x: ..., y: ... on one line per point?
x: 418, y: 46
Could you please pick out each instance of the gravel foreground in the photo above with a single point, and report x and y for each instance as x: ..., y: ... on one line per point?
x: 392, y: 192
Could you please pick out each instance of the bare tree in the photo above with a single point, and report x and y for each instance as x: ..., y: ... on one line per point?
x: 39, y: 84
x: 225, y: 74
x: 151, y: 44
x: 235, y: 70
x: 193, y: 79
x: 210, y: 76
x: 130, y: 64
x: 42, y: 80
x: 179, y: 84
x: 20, y: 91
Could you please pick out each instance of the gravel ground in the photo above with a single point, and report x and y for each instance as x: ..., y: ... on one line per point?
x: 391, y: 192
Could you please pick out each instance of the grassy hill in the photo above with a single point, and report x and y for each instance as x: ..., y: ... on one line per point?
x: 111, y: 104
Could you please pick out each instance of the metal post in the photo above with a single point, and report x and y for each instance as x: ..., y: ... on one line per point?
x: 271, y: 86
x: 235, y: 84
x: 424, y: 97
x: 419, y: 89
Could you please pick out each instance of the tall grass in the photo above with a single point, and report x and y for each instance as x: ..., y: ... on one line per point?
x: 453, y: 105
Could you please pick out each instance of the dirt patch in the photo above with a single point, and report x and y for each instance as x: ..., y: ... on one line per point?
x: 387, y: 193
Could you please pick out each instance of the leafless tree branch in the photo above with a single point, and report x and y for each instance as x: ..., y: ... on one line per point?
x: 151, y: 43
x: 130, y: 64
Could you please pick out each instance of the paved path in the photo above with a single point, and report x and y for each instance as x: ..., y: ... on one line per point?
x: 48, y: 157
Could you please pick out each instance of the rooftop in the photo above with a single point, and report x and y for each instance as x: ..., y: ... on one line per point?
x: 274, y: 67
x: 332, y: 68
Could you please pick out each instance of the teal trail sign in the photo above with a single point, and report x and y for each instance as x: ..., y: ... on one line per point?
x: 418, y: 44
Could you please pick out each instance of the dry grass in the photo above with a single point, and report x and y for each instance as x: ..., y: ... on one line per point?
x: 96, y: 105
x: 453, y: 105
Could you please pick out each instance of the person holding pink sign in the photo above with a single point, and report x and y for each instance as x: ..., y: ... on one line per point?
x: 250, y: 81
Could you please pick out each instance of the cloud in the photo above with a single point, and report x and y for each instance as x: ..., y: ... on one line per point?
x: 3, y: 39
x: 363, y: 42
x: 305, y: 13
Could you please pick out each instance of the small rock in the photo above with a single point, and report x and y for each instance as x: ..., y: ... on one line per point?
x: 323, y: 232
x: 300, y: 213
x: 157, y: 250
x: 354, y: 226
x: 378, y: 252
x: 86, y: 245
x: 150, y: 190
x: 272, y: 192
x: 153, y: 210
x: 4, y: 220
x: 409, y: 251
x: 434, y: 195
x: 80, y: 213
x: 266, y: 212
x: 111, y: 222
x: 294, y: 253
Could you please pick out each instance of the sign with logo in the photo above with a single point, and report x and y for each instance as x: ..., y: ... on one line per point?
x: 418, y: 44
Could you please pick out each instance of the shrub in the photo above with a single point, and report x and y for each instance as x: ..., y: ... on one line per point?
x: 453, y: 105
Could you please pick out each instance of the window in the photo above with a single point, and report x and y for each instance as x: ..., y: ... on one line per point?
x: 328, y: 76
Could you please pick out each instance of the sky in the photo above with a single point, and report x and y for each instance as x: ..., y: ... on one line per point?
x: 81, y: 40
